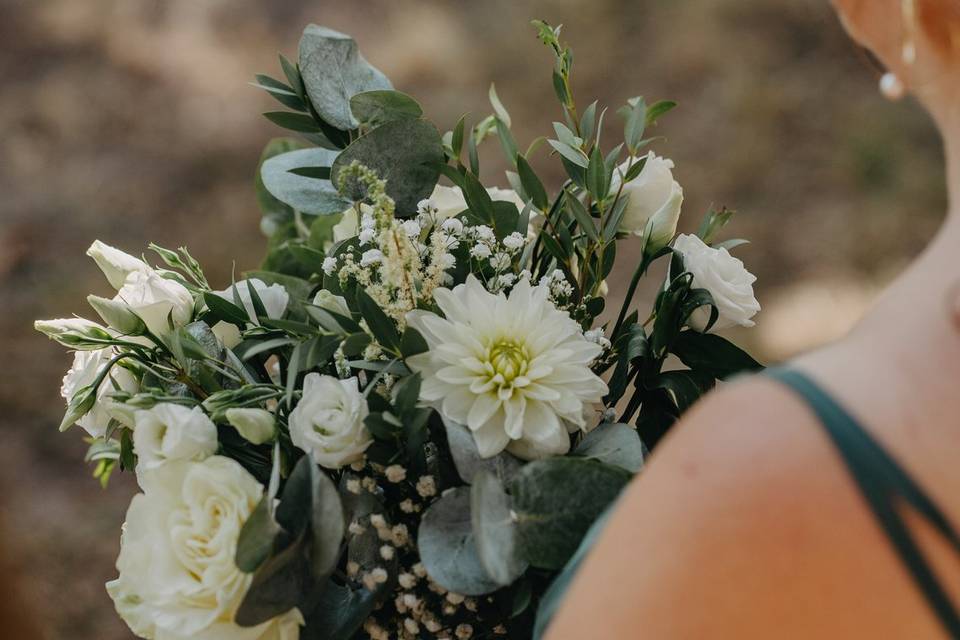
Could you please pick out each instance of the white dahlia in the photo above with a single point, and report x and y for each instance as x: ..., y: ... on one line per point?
x: 515, y: 370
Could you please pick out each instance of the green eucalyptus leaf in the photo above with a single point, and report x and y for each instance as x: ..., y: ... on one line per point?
x: 494, y: 530
x: 277, y: 585
x: 333, y: 71
x: 340, y: 611
x: 257, y: 537
x: 374, y: 108
x: 467, y: 458
x: 406, y: 153
x: 448, y: 548
x: 556, y: 501
x: 615, y: 444
x: 305, y: 194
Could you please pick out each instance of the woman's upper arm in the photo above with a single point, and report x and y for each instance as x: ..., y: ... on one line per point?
x: 722, y: 535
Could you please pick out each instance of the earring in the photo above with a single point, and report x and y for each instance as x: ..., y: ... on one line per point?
x: 892, y: 87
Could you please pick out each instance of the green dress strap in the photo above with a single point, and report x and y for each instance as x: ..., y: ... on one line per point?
x: 886, y: 487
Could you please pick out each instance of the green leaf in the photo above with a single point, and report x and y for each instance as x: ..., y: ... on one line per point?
x: 494, y: 531
x: 448, y: 548
x: 277, y: 585
x: 257, y: 537
x: 308, y: 195
x: 556, y: 501
x: 280, y: 92
x: 636, y: 115
x: 292, y: 73
x: 532, y: 184
x: 320, y: 173
x: 686, y: 387
x: 582, y: 216
x: 340, y: 611
x: 333, y: 71
x: 598, y: 181
x: 712, y: 354
x: 456, y: 140
x: 572, y: 154
x: 380, y: 324
x: 657, y: 109
x: 412, y: 343
x: 713, y: 222
x: 405, y: 153
x: 374, y: 108
x: 615, y: 444
x: 498, y: 107
x: 300, y: 122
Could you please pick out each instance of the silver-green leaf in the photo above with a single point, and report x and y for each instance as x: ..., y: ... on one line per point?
x: 307, y: 195
x: 494, y: 529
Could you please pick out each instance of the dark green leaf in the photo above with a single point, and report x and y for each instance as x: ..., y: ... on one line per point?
x: 293, y: 121
x: 374, y: 108
x: 532, y: 184
x: 712, y: 354
x: 405, y: 153
x: 380, y: 324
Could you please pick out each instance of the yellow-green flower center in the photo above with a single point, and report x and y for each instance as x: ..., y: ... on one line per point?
x: 507, y: 359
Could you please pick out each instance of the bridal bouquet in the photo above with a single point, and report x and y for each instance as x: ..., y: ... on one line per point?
x: 403, y: 425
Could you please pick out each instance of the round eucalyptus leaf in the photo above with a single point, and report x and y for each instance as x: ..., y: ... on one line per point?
x: 307, y: 195
x: 405, y: 153
x: 448, y: 549
x: 467, y: 458
x: 616, y: 444
x: 333, y: 71
x: 556, y: 501
x: 378, y: 107
x: 340, y: 611
x: 494, y: 529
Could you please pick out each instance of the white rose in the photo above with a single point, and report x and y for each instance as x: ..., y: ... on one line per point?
x: 177, y: 575
x: 170, y: 432
x: 326, y: 300
x: 655, y: 200
x: 274, y: 298
x: 727, y: 280
x: 157, y: 301
x: 327, y: 423
x: 87, y: 365
x: 115, y: 264
x: 253, y: 425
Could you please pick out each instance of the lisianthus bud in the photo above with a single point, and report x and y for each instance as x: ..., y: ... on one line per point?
x: 115, y: 264
x: 75, y: 333
x: 655, y: 202
x: 118, y: 315
x: 336, y: 304
x: 254, y: 425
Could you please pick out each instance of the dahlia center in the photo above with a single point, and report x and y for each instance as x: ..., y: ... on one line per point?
x: 507, y: 359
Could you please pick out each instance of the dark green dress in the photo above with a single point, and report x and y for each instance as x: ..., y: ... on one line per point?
x: 883, y: 483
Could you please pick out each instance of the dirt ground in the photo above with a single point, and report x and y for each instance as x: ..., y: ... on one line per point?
x: 131, y: 121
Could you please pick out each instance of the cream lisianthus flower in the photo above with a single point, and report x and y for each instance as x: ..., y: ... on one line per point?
x: 87, y: 365
x: 727, y: 280
x: 655, y: 201
x: 515, y: 370
x: 328, y: 424
x: 178, y: 577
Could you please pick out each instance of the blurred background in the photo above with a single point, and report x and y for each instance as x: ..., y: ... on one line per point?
x: 131, y: 121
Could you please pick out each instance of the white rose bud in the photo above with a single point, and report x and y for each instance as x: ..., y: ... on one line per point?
x: 336, y: 304
x: 274, y: 298
x: 157, y: 301
x: 87, y: 365
x: 727, y: 280
x: 115, y: 264
x: 170, y: 432
x: 327, y: 423
x: 75, y: 333
x: 118, y: 315
x: 177, y: 570
x: 254, y: 425
x: 655, y: 202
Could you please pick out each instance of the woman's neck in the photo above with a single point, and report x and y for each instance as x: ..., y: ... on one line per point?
x: 908, y: 345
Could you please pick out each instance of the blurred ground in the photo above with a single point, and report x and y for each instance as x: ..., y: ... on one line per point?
x: 131, y: 121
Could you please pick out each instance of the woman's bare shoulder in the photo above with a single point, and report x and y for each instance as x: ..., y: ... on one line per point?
x: 744, y: 524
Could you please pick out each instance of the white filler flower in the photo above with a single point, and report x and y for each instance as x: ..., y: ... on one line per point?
x: 327, y: 423
x: 727, y: 280
x: 178, y: 578
x: 515, y: 370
